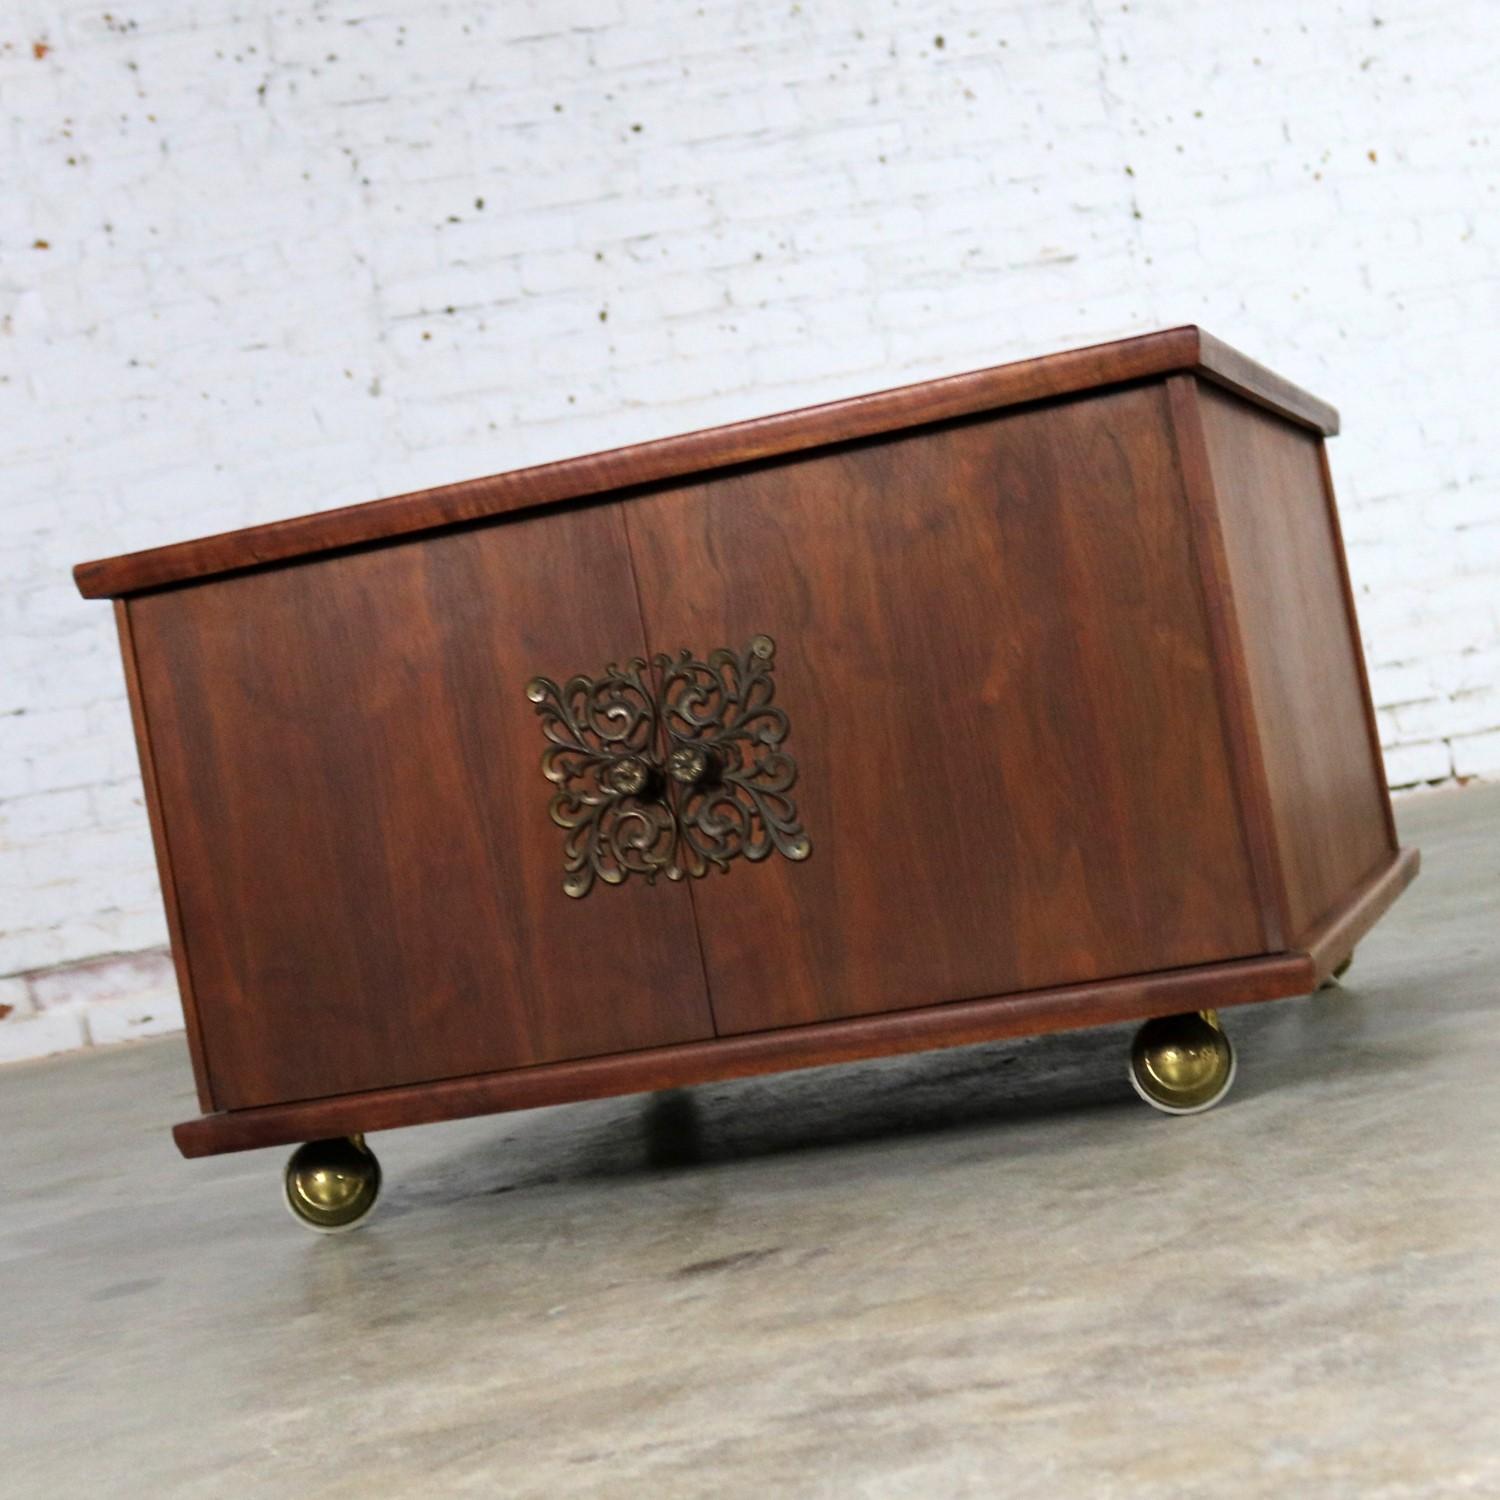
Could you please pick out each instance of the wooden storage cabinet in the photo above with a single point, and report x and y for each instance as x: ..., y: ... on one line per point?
x: 1047, y: 677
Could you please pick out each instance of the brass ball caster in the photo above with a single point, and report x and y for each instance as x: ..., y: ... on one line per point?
x: 1182, y: 1065
x: 332, y: 1185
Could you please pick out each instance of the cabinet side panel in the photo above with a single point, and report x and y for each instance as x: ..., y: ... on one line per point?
x: 370, y: 881
x: 1329, y: 804
x: 1233, y: 676
x: 991, y: 645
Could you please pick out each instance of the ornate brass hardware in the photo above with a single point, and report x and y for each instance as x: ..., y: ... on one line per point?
x: 672, y: 770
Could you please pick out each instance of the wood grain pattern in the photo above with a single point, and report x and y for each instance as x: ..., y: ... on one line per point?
x: 190, y: 1016
x: 1302, y: 652
x: 1236, y: 705
x: 1054, y: 375
x: 369, y: 880
x: 956, y: 1025
x: 992, y: 648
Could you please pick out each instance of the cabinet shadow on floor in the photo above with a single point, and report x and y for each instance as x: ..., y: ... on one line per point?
x: 995, y: 1091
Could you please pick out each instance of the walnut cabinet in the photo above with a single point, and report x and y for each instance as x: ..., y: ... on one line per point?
x: 1009, y: 702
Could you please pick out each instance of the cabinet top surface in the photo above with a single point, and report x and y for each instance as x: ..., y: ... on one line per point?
x: 1187, y: 349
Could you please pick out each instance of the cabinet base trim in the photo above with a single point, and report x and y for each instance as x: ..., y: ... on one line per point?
x: 958, y: 1024
x: 961, y: 1023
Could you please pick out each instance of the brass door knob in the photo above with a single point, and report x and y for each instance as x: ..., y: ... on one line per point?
x: 692, y: 764
x: 633, y: 776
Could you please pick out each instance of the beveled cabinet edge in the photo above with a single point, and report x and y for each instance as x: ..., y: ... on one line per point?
x: 139, y: 721
x: 1236, y: 704
x: 1176, y: 350
x: 1227, y: 367
x: 1362, y: 671
x: 928, y: 1028
x: 1329, y: 942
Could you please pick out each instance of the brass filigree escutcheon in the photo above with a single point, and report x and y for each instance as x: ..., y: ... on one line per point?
x: 673, y: 770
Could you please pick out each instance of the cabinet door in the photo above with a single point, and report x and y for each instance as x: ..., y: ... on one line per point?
x: 370, y: 884
x: 992, y: 651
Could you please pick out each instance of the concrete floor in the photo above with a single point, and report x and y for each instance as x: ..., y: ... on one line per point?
x: 978, y: 1273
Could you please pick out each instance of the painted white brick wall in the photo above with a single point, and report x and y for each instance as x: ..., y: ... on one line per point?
x: 258, y: 259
